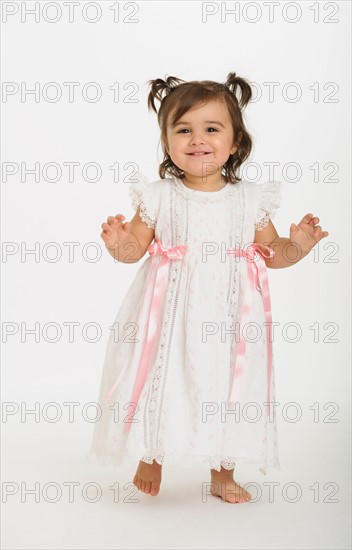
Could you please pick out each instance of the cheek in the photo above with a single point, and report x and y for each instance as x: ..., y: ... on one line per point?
x: 222, y: 145
x: 176, y: 145
x: 221, y: 141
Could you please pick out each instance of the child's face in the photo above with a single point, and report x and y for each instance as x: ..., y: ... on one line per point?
x: 205, y: 128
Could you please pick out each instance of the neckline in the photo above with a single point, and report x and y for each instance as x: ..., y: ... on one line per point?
x: 199, y: 191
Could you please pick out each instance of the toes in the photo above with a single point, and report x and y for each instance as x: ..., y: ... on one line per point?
x: 154, y: 488
x: 232, y: 493
x: 144, y: 477
x: 142, y: 485
x: 136, y: 482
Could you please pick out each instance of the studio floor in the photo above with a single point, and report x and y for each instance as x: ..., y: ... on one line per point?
x: 53, y: 498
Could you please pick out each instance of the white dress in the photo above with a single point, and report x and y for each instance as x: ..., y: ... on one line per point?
x: 183, y: 411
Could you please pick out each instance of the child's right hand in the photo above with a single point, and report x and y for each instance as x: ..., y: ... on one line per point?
x: 115, y: 232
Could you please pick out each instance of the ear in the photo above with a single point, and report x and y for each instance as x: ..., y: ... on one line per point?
x: 237, y: 143
x: 166, y: 148
x: 234, y: 148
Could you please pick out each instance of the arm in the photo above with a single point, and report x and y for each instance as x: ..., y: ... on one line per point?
x: 289, y: 251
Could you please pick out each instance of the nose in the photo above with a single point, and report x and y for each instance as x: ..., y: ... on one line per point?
x: 196, y: 138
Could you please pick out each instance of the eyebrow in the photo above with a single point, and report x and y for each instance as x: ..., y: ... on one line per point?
x: 207, y: 121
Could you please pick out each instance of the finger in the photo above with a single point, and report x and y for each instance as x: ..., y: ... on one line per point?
x: 307, y: 217
x: 112, y: 219
x: 106, y: 227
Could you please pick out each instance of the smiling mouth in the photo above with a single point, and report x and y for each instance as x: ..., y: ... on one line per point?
x: 198, y: 154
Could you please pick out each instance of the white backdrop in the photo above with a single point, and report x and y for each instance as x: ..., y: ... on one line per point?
x: 56, y: 272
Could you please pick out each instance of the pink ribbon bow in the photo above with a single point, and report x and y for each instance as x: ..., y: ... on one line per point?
x: 156, y: 286
x: 256, y: 276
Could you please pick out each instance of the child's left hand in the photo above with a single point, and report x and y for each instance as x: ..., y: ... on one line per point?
x: 305, y: 235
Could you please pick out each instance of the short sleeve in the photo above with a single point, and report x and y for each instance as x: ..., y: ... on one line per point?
x: 142, y: 194
x: 269, y: 195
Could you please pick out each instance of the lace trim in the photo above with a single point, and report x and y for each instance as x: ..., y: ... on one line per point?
x: 235, y: 237
x: 153, y: 409
x: 270, y: 196
x: 262, y: 223
x: 104, y: 460
x: 215, y: 463
x: 149, y: 460
x: 144, y: 215
x: 201, y: 196
x: 226, y: 463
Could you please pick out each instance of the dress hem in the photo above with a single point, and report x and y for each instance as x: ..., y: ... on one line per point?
x: 215, y: 463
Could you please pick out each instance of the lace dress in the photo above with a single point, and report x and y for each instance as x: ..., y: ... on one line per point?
x: 182, y: 409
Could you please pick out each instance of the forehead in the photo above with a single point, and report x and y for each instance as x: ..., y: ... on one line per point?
x: 214, y: 110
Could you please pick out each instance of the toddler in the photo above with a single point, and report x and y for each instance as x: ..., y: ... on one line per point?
x: 191, y: 373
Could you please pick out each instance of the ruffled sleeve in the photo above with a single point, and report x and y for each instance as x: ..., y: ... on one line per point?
x: 143, y: 194
x: 269, y: 195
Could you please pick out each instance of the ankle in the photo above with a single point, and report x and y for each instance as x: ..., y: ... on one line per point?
x: 222, y: 474
x: 154, y: 464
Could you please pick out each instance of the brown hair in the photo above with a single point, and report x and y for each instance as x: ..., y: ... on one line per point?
x: 180, y: 96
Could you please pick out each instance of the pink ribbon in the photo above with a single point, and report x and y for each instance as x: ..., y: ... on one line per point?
x: 156, y: 287
x: 256, y: 276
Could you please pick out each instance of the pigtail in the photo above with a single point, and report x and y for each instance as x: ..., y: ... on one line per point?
x: 160, y: 87
x: 234, y: 82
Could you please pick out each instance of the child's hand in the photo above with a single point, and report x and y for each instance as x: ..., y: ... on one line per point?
x: 115, y: 232
x: 305, y: 235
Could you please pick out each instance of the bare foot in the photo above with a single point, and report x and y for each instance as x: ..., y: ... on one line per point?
x: 148, y: 477
x: 224, y: 486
